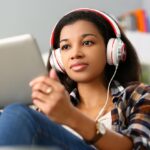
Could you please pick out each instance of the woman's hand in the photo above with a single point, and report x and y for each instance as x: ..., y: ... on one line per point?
x: 50, y: 96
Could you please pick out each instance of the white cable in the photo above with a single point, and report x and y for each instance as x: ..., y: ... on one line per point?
x: 107, y: 97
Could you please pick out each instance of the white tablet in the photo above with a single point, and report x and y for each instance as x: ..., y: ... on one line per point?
x: 20, y: 62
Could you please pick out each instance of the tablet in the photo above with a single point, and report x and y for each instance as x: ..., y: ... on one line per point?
x: 20, y: 62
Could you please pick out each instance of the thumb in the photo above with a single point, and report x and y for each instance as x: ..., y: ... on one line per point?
x: 53, y: 74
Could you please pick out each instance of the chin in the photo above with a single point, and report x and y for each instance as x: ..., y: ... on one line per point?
x: 82, y: 79
x: 85, y: 77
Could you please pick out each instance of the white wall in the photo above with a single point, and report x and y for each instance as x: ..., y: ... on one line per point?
x: 39, y: 16
x: 146, y: 6
x: 141, y: 42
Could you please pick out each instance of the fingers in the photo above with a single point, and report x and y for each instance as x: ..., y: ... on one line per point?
x: 37, y: 95
x: 39, y: 104
x: 41, y: 91
x: 53, y: 74
x: 42, y: 87
x: 42, y: 107
x: 51, y: 82
x: 43, y: 101
x: 45, y: 88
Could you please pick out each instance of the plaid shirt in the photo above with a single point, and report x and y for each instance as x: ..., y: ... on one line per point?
x: 131, y: 112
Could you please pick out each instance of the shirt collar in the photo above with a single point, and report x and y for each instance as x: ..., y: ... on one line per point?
x: 116, y: 88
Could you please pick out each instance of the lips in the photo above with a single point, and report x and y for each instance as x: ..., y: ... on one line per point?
x: 78, y: 66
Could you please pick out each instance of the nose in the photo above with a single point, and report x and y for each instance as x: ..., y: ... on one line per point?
x: 77, y: 53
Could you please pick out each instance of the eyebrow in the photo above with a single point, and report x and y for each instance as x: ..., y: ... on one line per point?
x: 63, y: 40
x: 88, y: 34
x: 84, y: 35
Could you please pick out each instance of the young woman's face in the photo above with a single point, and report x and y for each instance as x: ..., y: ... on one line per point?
x: 83, y: 51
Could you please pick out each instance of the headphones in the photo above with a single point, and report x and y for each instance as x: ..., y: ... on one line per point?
x: 115, y: 46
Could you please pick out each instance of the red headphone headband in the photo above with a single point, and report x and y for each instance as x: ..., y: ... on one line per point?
x: 100, y: 13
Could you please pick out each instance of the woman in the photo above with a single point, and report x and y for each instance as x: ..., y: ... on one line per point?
x: 91, y: 55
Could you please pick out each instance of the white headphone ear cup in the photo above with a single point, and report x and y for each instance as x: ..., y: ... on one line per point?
x: 115, y: 51
x: 112, y: 58
x: 55, y: 60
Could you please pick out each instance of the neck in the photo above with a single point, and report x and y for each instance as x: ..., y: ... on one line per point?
x: 92, y: 94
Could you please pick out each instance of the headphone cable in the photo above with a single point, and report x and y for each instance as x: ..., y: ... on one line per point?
x: 107, y: 97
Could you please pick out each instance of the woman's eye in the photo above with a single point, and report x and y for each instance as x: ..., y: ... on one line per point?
x: 65, y: 47
x: 88, y: 43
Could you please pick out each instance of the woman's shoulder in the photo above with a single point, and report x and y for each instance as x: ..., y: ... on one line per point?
x: 137, y: 113
x: 136, y: 84
x: 132, y: 91
x: 138, y: 95
x: 137, y: 89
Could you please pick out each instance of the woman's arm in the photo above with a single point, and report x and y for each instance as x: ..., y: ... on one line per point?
x: 87, y: 128
x: 56, y: 104
x: 138, y: 124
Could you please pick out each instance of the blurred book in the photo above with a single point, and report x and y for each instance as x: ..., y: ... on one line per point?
x: 141, y: 20
x: 137, y: 20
